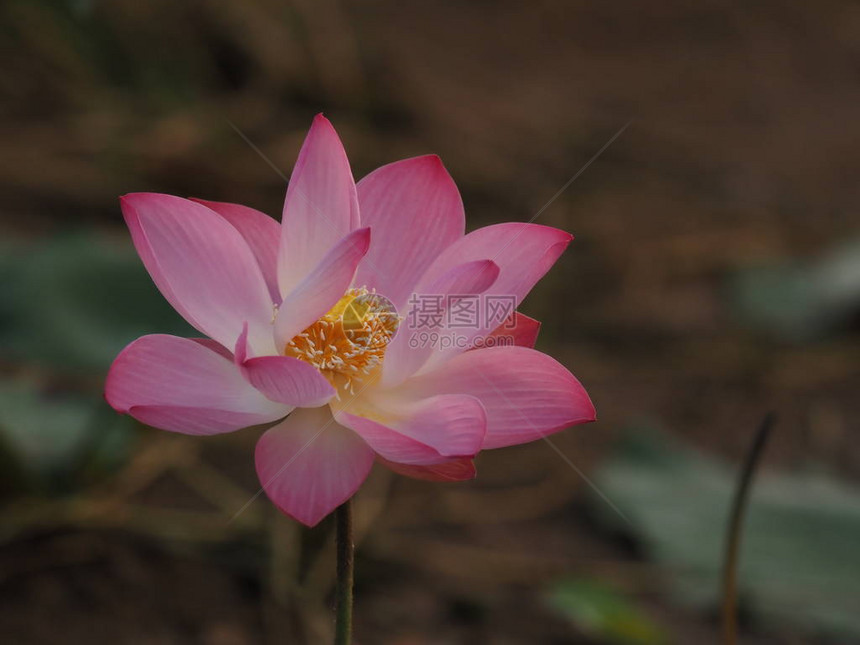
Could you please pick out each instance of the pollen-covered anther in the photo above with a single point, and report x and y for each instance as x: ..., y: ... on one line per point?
x: 348, y: 343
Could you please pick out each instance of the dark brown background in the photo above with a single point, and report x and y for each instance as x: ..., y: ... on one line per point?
x: 742, y: 152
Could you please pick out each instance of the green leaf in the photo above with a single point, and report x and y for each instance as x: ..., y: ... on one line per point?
x: 603, y: 613
x: 800, y: 558
x: 800, y: 302
x: 51, y: 437
x: 74, y: 302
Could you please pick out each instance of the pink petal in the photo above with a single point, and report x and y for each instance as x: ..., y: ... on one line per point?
x: 321, y: 205
x: 415, y: 211
x: 453, y: 425
x: 184, y: 386
x: 321, y: 290
x: 455, y: 470
x: 197, y: 421
x: 389, y: 443
x: 410, y: 348
x: 261, y: 232
x: 524, y: 253
x: 215, y: 346
x: 308, y: 464
x: 283, y: 378
x: 526, y: 394
x: 203, y: 266
x: 518, y: 329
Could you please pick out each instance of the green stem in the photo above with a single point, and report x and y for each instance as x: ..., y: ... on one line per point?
x: 345, y: 573
x: 733, y: 540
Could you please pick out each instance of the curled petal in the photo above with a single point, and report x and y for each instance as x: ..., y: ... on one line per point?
x: 322, y: 288
x: 283, y: 378
x: 410, y: 348
x: 524, y: 253
x: 185, y: 386
x: 389, y: 443
x: 452, y: 424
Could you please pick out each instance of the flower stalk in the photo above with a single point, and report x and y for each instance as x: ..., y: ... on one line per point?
x: 735, y: 530
x: 345, y: 573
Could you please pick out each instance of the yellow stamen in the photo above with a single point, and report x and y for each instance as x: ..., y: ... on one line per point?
x: 348, y: 343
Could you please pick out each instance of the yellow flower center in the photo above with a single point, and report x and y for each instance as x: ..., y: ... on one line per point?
x: 348, y: 343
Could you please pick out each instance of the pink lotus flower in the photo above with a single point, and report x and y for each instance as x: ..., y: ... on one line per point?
x: 295, y: 327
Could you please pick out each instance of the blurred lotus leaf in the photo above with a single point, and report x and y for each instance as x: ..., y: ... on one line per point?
x: 800, y: 558
x: 604, y: 614
x: 47, y: 440
x: 802, y: 302
x: 67, y: 307
x: 74, y: 302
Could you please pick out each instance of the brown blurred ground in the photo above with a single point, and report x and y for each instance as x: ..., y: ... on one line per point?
x: 743, y: 150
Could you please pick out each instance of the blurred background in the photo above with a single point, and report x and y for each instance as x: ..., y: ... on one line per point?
x: 715, y: 277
